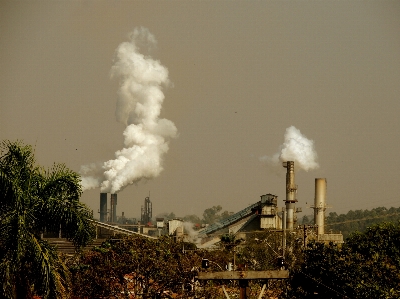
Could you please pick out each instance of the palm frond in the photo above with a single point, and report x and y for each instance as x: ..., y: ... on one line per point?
x: 31, y: 200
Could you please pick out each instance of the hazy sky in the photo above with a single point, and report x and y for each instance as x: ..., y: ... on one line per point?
x: 241, y: 73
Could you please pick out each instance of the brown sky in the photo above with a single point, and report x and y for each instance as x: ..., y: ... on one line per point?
x: 242, y: 72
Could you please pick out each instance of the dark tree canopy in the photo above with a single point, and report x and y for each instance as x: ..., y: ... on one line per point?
x: 367, y: 265
x: 33, y: 200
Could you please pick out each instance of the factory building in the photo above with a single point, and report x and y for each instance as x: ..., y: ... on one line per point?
x: 261, y: 215
x: 265, y: 214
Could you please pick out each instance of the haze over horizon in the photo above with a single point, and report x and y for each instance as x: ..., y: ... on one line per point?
x: 240, y: 74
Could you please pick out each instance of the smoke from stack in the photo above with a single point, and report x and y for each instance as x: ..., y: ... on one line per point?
x: 296, y: 147
x: 139, y: 104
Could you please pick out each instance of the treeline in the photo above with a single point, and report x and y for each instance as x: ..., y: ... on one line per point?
x: 210, y: 216
x: 356, y: 221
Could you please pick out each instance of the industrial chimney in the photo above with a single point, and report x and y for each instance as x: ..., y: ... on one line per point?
x: 103, y: 207
x: 291, y: 191
x: 113, y: 208
x: 147, y: 211
x: 320, y: 205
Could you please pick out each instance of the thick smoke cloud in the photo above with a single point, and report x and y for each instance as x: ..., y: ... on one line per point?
x: 140, y: 98
x: 296, y: 147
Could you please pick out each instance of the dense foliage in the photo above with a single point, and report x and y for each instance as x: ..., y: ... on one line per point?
x: 33, y: 200
x: 134, y: 266
x: 367, y: 265
x: 148, y: 268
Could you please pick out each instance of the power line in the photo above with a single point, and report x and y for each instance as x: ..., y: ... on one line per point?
x: 317, y: 281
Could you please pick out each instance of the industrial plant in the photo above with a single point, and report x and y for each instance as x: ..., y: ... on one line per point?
x: 259, y: 216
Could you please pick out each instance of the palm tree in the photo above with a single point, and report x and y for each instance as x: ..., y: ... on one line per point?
x: 32, y: 200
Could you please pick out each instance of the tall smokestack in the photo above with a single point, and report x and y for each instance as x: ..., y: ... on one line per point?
x: 114, y: 207
x: 320, y: 204
x: 147, y: 211
x: 103, y: 207
x: 291, y: 191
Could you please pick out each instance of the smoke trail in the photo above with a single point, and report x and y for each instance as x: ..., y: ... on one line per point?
x: 140, y: 98
x: 296, y: 147
x: 191, y: 234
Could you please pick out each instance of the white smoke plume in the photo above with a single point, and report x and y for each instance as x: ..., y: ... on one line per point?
x: 140, y: 98
x: 296, y: 147
x: 191, y: 234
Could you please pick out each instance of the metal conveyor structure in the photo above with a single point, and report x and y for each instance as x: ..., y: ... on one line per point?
x: 119, y: 230
x: 230, y: 220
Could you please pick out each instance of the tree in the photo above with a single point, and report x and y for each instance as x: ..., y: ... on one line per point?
x: 366, y: 266
x: 34, y: 199
x: 211, y: 215
x: 135, y: 265
x: 360, y: 220
x: 192, y: 219
x: 306, y: 220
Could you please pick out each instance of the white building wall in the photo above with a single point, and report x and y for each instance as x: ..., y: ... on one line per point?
x: 173, y: 225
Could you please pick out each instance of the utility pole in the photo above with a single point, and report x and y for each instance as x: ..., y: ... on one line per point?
x: 243, y: 276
